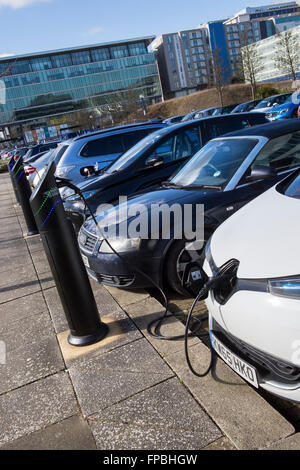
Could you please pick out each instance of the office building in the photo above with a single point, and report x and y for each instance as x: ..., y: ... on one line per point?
x: 43, y: 90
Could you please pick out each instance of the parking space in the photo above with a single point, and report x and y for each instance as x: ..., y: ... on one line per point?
x: 130, y: 392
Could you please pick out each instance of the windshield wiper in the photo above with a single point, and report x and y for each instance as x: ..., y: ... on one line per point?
x: 168, y: 184
x: 203, y: 186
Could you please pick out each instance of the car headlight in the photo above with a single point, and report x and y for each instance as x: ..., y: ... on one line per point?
x: 120, y: 245
x: 285, y: 287
x: 63, y: 171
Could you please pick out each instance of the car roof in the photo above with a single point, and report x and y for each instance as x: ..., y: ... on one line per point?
x: 168, y: 129
x: 269, y: 130
x: 117, y: 128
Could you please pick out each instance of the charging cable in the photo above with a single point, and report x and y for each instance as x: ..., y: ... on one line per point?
x: 210, y: 284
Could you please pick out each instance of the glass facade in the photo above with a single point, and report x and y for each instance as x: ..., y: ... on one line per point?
x: 57, y: 82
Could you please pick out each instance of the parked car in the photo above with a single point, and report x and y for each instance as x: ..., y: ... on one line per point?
x: 245, y: 107
x: 254, y: 315
x: 97, y: 150
x: 215, y: 111
x: 190, y: 115
x: 287, y: 110
x: 224, y: 110
x: 267, y: 104
x: 174, y: 119
x: 38, y: 168
x: 223, y: 176
x: 152, y: 161
x: 32, y: 151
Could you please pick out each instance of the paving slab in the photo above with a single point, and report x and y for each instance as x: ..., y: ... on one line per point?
x: 290, y: 443
x: 71, y: 434
x: 146, y: 311
x: 16, y: 310
x: 164, y: 417
x: 121, y: 331
x: 221, y: 444
x: 242, y: 414
x: 104, y: 380
x: 36, y: 406
x: 127, y: 297
x: 32, y: 352
x: 105, y: 303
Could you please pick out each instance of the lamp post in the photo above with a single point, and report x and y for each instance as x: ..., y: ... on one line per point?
x: 143, y: 103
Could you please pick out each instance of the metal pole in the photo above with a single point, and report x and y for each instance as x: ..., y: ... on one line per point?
x: 22, y: 187
x: 66, y: 263
x: 10, y: 167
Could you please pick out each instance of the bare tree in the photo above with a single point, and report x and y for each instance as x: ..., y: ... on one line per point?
x: 219, y: 72
x: 287, y: 59
x: 251, y: 64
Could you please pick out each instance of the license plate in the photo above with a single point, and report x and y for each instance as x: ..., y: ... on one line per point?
x: 86, y: 261
x: 241, y: 367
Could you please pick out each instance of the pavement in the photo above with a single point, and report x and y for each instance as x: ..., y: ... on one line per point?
x: 129, y: 391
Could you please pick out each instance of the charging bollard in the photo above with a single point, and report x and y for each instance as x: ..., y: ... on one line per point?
x: 66, y: 263
x: 10, y: 167
x: 22, y: 187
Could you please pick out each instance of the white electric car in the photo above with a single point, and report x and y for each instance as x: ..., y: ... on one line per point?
x: 255, y: 312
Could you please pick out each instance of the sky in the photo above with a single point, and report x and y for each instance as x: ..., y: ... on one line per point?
x: 28, y: 26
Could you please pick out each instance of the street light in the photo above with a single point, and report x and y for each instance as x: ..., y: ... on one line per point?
x: 143, y: 103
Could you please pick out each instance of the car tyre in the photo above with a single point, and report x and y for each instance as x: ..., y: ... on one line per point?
x: 176, y: 260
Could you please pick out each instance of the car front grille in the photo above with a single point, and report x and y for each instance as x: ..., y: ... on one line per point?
x: 269, y: 367
x: 87, y: 241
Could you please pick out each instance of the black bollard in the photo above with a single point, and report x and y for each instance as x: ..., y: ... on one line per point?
x: 22, y: 187
x: 66, y: 263
x: 10, y: 167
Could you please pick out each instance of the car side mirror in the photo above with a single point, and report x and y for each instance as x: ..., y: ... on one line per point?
x: 154, y: 161
x: 275, y: 104
x: 260, y: 172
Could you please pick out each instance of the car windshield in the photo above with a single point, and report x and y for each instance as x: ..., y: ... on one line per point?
x: 293, y: 190
x: 133, y: 153
x: 215, y: 164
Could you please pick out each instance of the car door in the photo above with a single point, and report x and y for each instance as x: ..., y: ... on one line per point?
x: 171, y: 153
x: 281, y: 154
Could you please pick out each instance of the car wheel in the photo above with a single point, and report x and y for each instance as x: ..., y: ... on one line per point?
x: 295, y: 113
x: 177, y: 259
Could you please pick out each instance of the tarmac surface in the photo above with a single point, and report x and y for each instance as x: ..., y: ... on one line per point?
x: 129, y: 391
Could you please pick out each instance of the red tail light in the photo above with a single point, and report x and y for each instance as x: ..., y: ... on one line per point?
x: 16, y: 157
x: 29, y: 170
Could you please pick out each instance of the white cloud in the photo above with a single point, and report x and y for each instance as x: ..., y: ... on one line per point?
x: 19, y: 3
x: 93, y: 31
x: 4, y: 54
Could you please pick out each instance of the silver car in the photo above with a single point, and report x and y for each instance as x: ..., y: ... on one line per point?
x: 92, y: 152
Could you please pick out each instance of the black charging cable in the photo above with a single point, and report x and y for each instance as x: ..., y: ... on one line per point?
x: 62, y: 182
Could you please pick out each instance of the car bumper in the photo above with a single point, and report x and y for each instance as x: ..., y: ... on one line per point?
x: 125, y: 271
x: 264, y: 330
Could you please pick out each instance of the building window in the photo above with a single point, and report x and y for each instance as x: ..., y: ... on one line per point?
x: 118, y: 52
x: 21, y: 66
x: 82, y: 57
x: 100, y: 54
x: 61, y: 60
x: 137, y: 48
x: 41, y: 63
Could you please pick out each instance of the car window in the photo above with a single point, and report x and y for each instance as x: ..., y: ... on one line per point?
x: 282, y: 153
x: 224, y: 126
x: 133, y: 137
x: 293, y: 190
x: 104, y: 146
x: 181, y: 145
x: 215, y: 164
